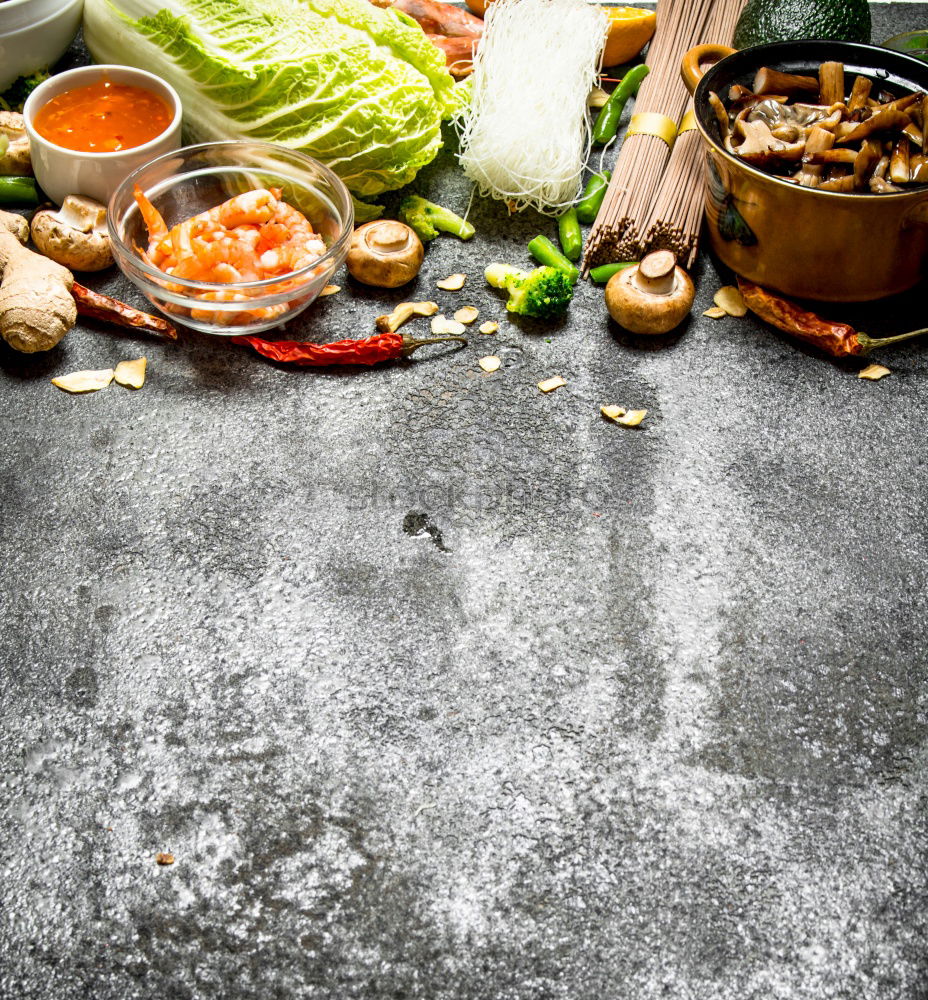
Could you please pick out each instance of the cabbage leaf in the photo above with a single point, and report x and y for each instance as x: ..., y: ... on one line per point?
x: 358, y: 87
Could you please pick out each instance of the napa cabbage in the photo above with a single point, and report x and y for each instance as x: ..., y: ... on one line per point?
x: 358, y: 87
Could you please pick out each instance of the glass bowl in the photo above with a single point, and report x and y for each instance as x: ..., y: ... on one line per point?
x: 195, y: 179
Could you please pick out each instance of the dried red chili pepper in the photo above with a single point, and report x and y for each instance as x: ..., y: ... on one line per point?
x: 837, y: 339
x: 369, y: 351
x: 109, y: 310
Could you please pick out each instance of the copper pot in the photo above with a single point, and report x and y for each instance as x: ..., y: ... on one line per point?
x: 800, y: 241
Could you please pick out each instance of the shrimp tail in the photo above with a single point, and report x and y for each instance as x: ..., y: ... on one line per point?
x: 151, y: 216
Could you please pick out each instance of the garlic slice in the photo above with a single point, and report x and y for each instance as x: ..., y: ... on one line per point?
x: 730, y: 299
x: 632, y: 418
x: 441, y: 324
x: 873, y: 373
x: 467, y: 314
x: 131, y: 374
x: 87, y: 381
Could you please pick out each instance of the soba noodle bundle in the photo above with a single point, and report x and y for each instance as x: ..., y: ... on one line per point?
x: 526, y: 136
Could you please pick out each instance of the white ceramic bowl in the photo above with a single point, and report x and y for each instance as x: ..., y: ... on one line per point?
x: 60, y: 171
x: 34, y: 35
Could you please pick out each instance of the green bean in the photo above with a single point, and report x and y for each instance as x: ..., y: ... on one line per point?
x: 568, y: 229
x: 608, y: 121
x: 545, y: 252
x: 18, y: 191
x: 593, y: 194
x: 604, y: 272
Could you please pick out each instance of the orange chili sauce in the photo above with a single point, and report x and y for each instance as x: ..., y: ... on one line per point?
x: 103, y: 117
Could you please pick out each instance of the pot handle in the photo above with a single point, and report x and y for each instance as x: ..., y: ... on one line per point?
x: 692, y: 67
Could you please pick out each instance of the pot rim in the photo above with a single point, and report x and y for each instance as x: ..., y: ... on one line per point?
x: 791, y: 47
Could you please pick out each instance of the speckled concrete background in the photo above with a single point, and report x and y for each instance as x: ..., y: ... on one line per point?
x: 437, y: 687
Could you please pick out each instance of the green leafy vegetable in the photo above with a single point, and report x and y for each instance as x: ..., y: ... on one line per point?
x: 427, y: 219
x: 358, y: 87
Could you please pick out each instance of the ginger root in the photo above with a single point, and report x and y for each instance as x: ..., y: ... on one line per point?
x: 36, y: 305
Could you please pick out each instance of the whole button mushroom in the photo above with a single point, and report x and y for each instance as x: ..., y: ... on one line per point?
x: 385, y: 253
x: 652, y: 297
x: 74, y: 235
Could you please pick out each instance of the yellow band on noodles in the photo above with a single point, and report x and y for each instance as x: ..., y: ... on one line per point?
x: 652, y: 123
x: 689, y: 122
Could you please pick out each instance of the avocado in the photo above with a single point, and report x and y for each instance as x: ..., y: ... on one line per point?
x: 765, y: 21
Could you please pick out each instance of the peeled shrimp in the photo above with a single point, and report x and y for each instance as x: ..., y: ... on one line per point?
x: 251, y: 237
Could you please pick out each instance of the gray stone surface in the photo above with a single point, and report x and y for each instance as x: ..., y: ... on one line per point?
x: 437, y: 687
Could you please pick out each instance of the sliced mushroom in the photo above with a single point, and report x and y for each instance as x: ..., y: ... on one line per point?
x: 721, y: 115
x: 867, y: 159
x: 771, y: 81
x: 761, y: 148
x: 774, y: 113
x: 831, y: 82
x: 882, y: 121
x: 919, y: 165
x: 879, y: 185
x: 901, y: 104
x: 899, y: 169
x: 755, y: 137
x: 914, y: 134
x: 819, y: 140
x: 74, y: 235
x: 845, y: 184
x: 740, y: 97
x: 830, y: 156
x: 859, y: 94
x: 787, y: 133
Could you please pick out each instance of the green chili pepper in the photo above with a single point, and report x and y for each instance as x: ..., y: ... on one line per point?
x: 603, y: 273
x: 608, y: 121
x: 545, y: 252
x: 18, y: 191
x: 593, y: 194
x: 568, y: 228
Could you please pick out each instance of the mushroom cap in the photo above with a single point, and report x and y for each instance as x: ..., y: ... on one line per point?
x: 641, y: 311
x: 385, y: 253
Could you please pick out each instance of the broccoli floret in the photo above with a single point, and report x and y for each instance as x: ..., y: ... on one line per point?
x: 543, y: 293
x: 426, y: 219
x: 14, y: 97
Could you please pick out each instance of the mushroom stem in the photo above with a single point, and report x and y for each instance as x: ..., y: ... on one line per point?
x: 387, y: 237
x: 651, y: 298
x: 655, y: 273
